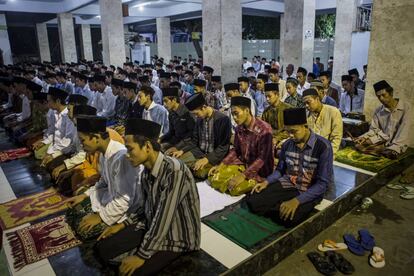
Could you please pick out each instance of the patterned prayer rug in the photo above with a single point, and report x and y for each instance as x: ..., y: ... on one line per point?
x: 241, y: 226
x: 13, y: 154
x: 30, y: 208
x: 371, y: 163
x: 39, y: 241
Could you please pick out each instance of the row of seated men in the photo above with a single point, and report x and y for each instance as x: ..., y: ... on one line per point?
x: 133, y: 180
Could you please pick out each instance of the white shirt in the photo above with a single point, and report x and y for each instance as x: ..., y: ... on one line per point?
x: 26, y: 110
x: 300, y: 88
x: 246, y: 65
x: 105, y: 103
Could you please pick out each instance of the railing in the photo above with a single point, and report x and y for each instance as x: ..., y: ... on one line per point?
x: 364, y: 16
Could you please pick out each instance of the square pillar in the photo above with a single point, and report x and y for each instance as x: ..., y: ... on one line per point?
x: 86, y: 42
x: 222, y: 37
x: 112, y: 27
x: 43, y: 42
x: 164, y: 38
x: 299, y: 33
x: 67, y: 37
x: 344, y: 25
x: 4, y: 41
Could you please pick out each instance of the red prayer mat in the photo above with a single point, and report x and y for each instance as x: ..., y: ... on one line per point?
x: 13, y: 154
x: 30, y: 208
x: 39, y: 241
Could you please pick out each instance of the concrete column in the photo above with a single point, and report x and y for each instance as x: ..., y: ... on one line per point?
x: 86, y: 42
x: 67, y: 37
x: 4, y: 41
x: 282, y: 44
x: 112, y: 27
x: 164, y: 38
x: 222, y: 37
x: 299, y: 33
x: 43, y: 42
x: 344, y: 25
x: 391, y: 57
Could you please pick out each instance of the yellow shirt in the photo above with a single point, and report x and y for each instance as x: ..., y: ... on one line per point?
x: 328, y: 124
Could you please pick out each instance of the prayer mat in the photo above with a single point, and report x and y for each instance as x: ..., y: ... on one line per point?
x: 371, y: 163
x: 13, y: 154
x: 242, y: 227
x: 30, y: 208
x: 39, y: 241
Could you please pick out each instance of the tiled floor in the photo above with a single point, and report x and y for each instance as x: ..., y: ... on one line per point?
x: 23, y: 177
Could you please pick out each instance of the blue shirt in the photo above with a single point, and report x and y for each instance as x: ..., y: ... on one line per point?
x: 261, y: 102
x: 329, y: 101
x: 310, y: 170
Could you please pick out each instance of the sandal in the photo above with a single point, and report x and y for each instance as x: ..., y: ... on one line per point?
x: 342, y: 264
x: 377, y: 258
x: 408, y: 194
x: 353, y: 245
x: 396, y: 186
x: 330, y: 245
x: 322, y: 263
x: 366, y: 239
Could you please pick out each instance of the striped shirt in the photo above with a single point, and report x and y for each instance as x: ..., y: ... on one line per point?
x: 309, y: 170
x: 170, y: 211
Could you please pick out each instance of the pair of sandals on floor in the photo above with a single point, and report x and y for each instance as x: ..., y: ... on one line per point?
x: 333, y: 261
x: 407, y: 192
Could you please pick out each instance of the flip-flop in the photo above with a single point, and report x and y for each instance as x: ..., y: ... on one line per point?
x: 408, y: 194
x: 342, y: 264
x: 377, y: 258
x: 353, y: 245
x: 329, y: 245
x: 396, y: 186
x: 366, y: 239
x: 322, y: 263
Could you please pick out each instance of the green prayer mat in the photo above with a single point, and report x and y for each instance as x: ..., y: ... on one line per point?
x: 352, y: 157
x: 243, y: 227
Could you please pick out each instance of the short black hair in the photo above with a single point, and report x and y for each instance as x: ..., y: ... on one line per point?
x: 148, y: 91
x: 104, y: 135
x: 177, y: 99
x: 141, y: 140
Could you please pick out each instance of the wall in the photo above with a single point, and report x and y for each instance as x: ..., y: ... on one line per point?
x: 359, y: 51
x: 391, y: 53
x: 4, y: 41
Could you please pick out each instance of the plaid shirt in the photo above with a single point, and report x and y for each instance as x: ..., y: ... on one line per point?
x: 206, y: 137
x: 295, y: 101
x: 309, y: 170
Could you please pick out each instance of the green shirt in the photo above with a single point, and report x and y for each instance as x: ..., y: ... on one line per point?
x: 274, y: 116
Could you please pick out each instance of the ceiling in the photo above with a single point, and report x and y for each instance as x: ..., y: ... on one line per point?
x: 87, y: 11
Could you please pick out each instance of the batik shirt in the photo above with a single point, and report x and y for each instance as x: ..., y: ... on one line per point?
x: 295, y: 101
x: 274, y: 117
x: 309, y: 170
x: 253, y: 148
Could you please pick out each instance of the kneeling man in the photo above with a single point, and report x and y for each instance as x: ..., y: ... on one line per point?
x: 302, y: 175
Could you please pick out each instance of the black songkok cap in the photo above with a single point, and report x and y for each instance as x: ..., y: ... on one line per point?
x: 216, y: 78
x: 34, y: 86
x: 58, y: 93
x: 61, y: 74
x: 40, y: 96
x: 143, y: 79
x: 381, y: 85
x: 241, y: 101
x: 170, y: 92
x: 325, y: 73
x: 195, y: 101
x: 90, y: 124
x: 267, y: 66
x: 294, y: 116
x: 231, y: 86
x: 263, y: 77
x: 208, y: 69
x: 82, y: 77
x: 117, y: 82
x: 165, y: 75
x: 100, y: 78
x: 302, y: 70
x: 310, y: 92
x: 271, y: 87
x: 198, y: 82
x: 353, y: 71
x: 20, y: 80
x: 91, y: 79
x: 84, y: 110
x: 141, y: 127
x: 240, y: 79
x: 346, y: 78
x: 77, y: 99
x: 129, y: 85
